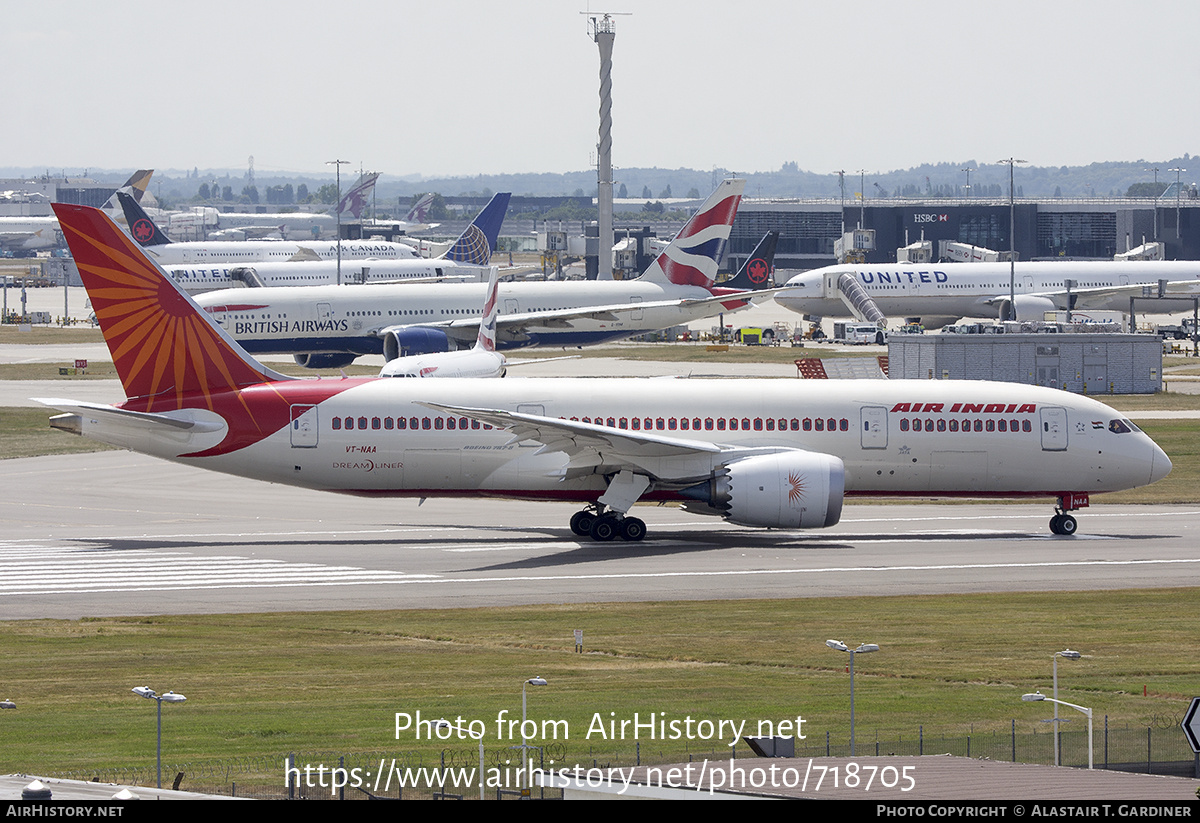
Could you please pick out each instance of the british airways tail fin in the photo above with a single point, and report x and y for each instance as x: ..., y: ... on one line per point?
x: 168, y: 353
x: 487, y: 322
x: 692, y: 257
x: 476, y: 244
x: 140, y: 225
x: 355, y: 200
x: 756, y: 272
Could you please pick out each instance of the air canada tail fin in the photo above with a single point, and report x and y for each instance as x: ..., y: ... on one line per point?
x: 692, y: 257
x: 419, y: 213
x: 476, y: 244
x: 140, y: 225
x: 355, y: 200
x: 168, y: 353
x: 491, y: 305
x: 756, y: 272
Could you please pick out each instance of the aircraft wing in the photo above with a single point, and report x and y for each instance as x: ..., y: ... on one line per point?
x: 515, y: 326
x: 1101, y: 297
x: 598, y: 449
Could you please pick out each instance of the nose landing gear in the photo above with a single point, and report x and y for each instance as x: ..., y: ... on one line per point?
x: 1063, y: 523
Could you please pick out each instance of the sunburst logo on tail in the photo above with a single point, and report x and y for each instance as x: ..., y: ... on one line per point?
x: 795, y: 487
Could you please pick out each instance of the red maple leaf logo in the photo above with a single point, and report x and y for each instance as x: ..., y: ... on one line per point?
x: 757, y: 270
x: 143, y: 231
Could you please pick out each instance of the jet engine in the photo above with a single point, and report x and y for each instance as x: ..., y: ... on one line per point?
x: 785, y: 490
x: 408, y: 340
x: 326, y: 360
x: 1029, y: 307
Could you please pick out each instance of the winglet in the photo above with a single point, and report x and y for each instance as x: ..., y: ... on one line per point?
x: 476, y: 244
x: 167, y: 352
x: 140, y: 225
x: 692, y: 257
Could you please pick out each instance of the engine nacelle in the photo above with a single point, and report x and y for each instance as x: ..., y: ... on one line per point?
x: 327, y: 360
x: 786, y: 490
x: 1029, y: 307
x: 410, y: 340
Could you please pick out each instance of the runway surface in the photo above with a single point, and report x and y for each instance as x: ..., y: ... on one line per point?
x: 115, y: 533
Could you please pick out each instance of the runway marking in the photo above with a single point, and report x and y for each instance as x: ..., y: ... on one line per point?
x: 42, y: 570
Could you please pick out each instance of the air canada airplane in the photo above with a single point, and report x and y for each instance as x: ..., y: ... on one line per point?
x: 769, y: 453
x: 216, y: 252
x: 941, y: 293
x: 466, y: 258
x: 329, y: 326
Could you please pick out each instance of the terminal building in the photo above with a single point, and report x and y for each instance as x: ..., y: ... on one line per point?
x: 1093, y: 229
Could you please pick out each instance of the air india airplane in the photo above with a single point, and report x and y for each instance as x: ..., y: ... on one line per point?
x: 768, y: 453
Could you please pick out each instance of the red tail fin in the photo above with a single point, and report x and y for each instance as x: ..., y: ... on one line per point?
x: 164, y: 347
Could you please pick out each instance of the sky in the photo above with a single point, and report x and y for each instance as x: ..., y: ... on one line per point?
x: 467, y: 87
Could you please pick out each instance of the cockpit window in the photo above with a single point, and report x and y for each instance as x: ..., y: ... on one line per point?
x: 1121, y: 426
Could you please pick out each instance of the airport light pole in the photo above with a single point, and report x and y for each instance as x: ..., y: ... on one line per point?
x: 863, y: 649
x: 968, y: 170
x: 1177, y: 190
x: 337, y: 207
x: 446, y: 724
x: 862, y: 198
x: 1012, y: 236
x: 841, y: 173
x: 533, y: 681
x: 1155, y: 170
x: 169, y: 697
x: 1038, y: 697
x: 1069, y: 655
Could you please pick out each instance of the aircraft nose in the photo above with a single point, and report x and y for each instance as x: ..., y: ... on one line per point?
x: 1160, y: 464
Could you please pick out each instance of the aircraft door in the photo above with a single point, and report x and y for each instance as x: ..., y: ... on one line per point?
x: 511, y: 306
x: 874, y: 427
x: 324, y: 312
x: 304, y: 426
x: 1054, y: 429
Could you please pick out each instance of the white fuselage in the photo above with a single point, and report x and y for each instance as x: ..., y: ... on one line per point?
x: 929, y: 438
x: 224, y: 252
x: 975, y: 289
x: 199, y: 278
x: 350, y: 318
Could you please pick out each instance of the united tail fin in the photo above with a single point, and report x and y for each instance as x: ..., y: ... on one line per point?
x: 758, y: 270
x: 143, y: 229
x: 692, y: 257
x: 167, y: 352
x: 476, y: 244
x: 355, y: 200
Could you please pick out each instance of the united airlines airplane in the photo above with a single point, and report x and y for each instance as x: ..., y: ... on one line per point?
x: 941, y: 293
x: 769, y: 453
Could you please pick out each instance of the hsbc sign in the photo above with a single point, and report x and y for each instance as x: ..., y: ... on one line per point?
x: 931, y: 218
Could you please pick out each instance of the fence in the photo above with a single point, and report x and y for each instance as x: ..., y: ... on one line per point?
x: 454, y: 773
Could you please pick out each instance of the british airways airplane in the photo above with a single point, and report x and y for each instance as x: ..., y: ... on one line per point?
x: 223, y: 252
x: 329, y: 326
x: 942, y: 293
x: 769, y: 453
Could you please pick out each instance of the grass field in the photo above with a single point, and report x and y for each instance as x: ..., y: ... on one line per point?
x: 261, y: 685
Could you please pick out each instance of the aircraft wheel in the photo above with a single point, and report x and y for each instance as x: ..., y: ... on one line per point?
x: 581, y: 523
x: 1067, y: 525
x: 1054, y: 524
x: 605, y: 528
x: 632, y: 529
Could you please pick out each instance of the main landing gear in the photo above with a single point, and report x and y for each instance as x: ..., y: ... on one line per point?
x: 603, y: 526
x: 1063, y: 523
x: 608, y: 517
